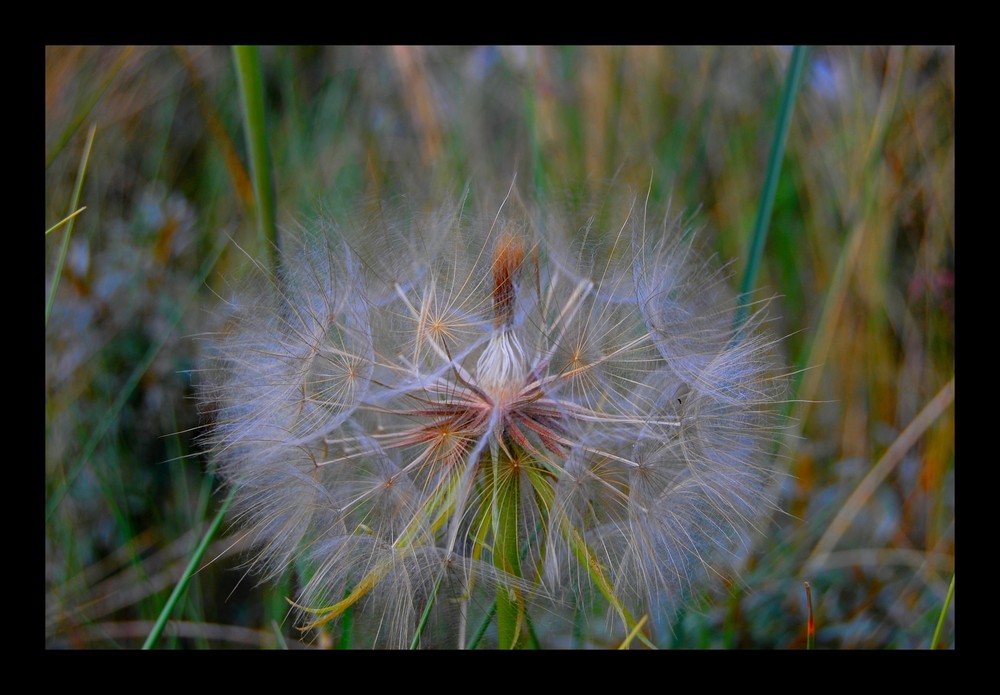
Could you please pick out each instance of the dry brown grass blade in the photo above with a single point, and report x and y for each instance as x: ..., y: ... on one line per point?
x: 129, y: 586
x: 409, y: 61
x: 907, y: 438
x: 237, y: 172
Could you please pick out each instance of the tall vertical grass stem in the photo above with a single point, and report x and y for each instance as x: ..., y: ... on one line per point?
x: 771, y: 177
x: 251, y: 82
x: 178, y: 591
x: 73, y: 205
x: 944, y: 612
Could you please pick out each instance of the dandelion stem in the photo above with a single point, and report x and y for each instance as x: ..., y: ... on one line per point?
x: 944, y: 612
x: 510, y: 605
x: 168, y: 608
x: 481, y: 630
x: 249, y: 75
x: 771, y: 178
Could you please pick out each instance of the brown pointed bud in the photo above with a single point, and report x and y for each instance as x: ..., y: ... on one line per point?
x: 507, y: 257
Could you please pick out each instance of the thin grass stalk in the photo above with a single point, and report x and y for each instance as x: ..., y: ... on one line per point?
x: 944, y: 612
x: 481, y: 630
x: 811, y: 625
x: 251, y: 82
x: 878, y: 473
x: 427, y: 612
x: 771, y: 178
x: 252, y: 98
x: 73, y: 205
x: 178, y: 591
x: 64, y: 220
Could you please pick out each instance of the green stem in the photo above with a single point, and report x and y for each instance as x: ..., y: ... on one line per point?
x: 771, y: 178
x: 944, y: 612
x: 71, y: 220
x: 161, y: 622
x: 487, y: 619
x: 251, y: 82
x: 347, y: 628
x: 510, y: 606
x: 427, y: 611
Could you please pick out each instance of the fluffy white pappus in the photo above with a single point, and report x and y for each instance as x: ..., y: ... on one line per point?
x: 430, y: 411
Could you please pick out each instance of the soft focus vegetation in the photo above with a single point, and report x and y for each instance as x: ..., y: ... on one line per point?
x: 860, y: 256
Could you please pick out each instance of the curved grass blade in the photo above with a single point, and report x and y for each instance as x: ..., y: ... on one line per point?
x: 944, y: 612
x: 178, y: 591
x: 64, y: 220
x: 427, y: 612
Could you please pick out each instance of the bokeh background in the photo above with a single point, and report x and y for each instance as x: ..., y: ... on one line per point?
x: 860, y: 258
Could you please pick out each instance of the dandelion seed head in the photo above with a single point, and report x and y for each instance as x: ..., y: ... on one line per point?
x: 415, y: 394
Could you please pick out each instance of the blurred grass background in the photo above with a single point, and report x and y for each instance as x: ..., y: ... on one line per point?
x: 860, y: 255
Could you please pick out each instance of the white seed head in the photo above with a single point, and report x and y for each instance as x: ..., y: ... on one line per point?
x: 414, y: 395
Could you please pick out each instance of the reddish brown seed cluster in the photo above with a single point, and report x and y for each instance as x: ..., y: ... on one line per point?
x: 507, y: 257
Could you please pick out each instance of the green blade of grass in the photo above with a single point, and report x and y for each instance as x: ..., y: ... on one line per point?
x: 488, y: 618
x: 64, y: 220
x: 771, y: 178
x: 481, y: 630
x: 427, y: 611
x: 74, y: 201
x: 178, y: 591
x: 251, y: 82
x: 510, y: 606
x: 944, y: 612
